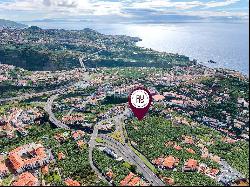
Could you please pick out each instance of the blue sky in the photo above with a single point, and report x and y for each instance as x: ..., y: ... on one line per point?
x: 124, y: 10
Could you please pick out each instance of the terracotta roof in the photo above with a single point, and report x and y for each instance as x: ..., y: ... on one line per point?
x: 110, y: 174
x: 15, y: 156
x: 71, y: 182
x: 60, y: 156
x: 188, y: 140
x: 204, y: 155
x: 3, y: 168
x: 80, y: 143
x: 177, y: 147
x: 169, y: 181
x: 214, y: 172
x: 45, y: 169
x: 26, y: 179
x: 215, y: 158
x: 191, y: 164
x: 135, y: 181
x: 158, y: 161
x: 158, y: 97
x: 190, y: 150
x: 16, y: 161
x: 125, y: 181
x: 169, y: 162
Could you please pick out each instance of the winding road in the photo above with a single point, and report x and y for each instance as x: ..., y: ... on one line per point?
x: 52, y: 118
x: 122, y: 149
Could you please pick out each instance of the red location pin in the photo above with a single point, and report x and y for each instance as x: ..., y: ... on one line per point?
x: 139, y: 101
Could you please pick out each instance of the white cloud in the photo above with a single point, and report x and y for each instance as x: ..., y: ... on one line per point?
x: 75, y: 7
x: 205, y: 14
x: 67, y: 8
x: 160, y: 4
x: 213, y: 4
x: 182, y: 5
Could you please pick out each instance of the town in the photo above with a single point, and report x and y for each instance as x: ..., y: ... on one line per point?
x: 65, y: 118
x: 89, y: 120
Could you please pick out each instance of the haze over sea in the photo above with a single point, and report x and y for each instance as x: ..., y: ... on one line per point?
x: 225, y: 43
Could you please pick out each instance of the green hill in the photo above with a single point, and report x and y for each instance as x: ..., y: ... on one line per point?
x: 37, y: 49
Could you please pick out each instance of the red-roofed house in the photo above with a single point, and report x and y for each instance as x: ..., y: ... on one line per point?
x: 168, y: 181
x: 213, y: 172
x: 78, y: 134
x: 191, y: 165
x: 189, y: 150
x: 170, y: 162
x: 80, y: 143
x: 60, y: 156
x: 30, y: 156
x: 45, y: 169
x: 158, y: 97
x: 26, y: 179
x: 134, y: 182
x: 215, y: 158
x: 177, y: 147
x: 188, y: 140
x: 71, y: 182
x: 3, y: 170
x: 126, y: 180
x: 166, y: 163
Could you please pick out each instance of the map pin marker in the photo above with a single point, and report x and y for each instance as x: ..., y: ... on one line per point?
x: 139, y: 101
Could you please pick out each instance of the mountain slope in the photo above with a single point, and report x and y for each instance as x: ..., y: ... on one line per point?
x: 34, y: 48
x: 11, y: 24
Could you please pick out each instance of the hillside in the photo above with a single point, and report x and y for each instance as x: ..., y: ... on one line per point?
x: 11, y: 24
x: 37, y: 49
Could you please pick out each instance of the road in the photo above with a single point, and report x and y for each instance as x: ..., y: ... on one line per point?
x: 122, y: 149
x: 85, y: 77
x: 52, y: 118
x: 28, y: 96
x: 92, y: 144
x: 228, y: 173
x: 49, y: 104
x: 133, y: 158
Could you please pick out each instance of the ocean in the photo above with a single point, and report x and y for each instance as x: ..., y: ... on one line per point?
x: 225, y: 43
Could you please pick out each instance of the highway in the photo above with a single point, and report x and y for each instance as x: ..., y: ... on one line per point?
x: 49, y: 104
x: 52, y: 118
x: 133, y: 158
x: 122, y: 149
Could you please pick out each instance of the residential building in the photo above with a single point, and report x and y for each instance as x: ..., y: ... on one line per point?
x: 190, y: 165
x: 28, y: 157
x: 26, y: 179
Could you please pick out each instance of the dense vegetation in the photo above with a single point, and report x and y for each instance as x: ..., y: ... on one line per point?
x: 60, y: 49
x: 151, y: 134
x: 234, y: 87
x: 75, y: 165
x: 236, y: 154
x: 120, y: 169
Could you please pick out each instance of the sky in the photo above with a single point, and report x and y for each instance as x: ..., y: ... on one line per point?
x: 124, y: 10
